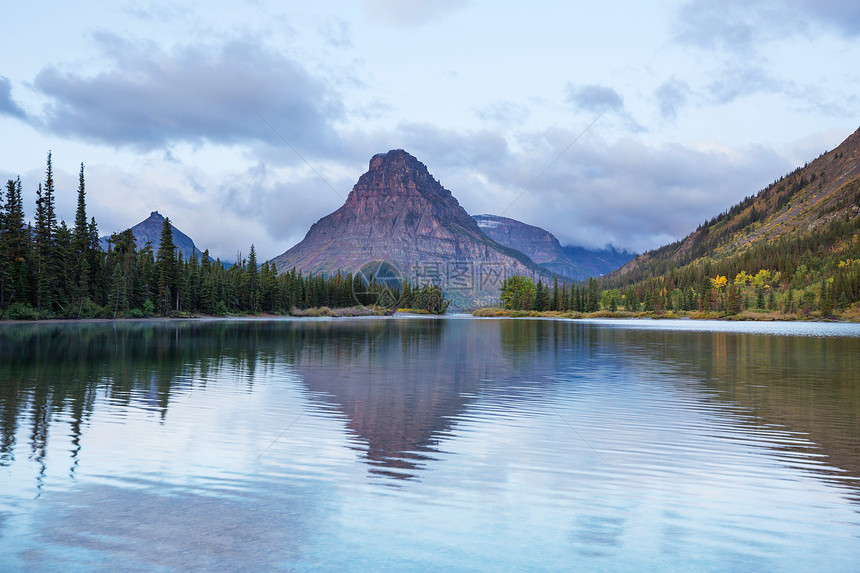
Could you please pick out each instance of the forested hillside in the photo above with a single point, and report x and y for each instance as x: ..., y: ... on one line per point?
x: 792, y: 247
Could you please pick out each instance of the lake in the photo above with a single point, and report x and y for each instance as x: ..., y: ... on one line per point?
x: 440, y: 444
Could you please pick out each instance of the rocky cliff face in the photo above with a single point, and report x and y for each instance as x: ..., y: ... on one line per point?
x: 400, y: 214
x: 149, y: 230
x: 577, y: 263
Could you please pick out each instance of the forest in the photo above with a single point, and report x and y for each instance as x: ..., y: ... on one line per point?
x: 50, y: 270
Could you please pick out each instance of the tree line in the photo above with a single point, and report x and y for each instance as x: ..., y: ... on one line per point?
x: 520, y: 292
x: 815, y: 272
x: 811, y: 272
x: 51, y: 270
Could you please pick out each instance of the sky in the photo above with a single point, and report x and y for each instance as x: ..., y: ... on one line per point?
x: 624, y: 123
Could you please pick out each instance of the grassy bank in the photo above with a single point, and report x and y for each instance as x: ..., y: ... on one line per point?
x: 850, y: 315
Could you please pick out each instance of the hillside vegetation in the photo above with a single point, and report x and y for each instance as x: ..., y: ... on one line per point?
x: 792, y: 247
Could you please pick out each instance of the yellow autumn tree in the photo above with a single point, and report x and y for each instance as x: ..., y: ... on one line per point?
x: 761, y: 278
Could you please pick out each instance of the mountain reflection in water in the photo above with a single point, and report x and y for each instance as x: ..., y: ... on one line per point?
x: 256, y: 443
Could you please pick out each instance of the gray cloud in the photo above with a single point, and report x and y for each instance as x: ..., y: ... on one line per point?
x: 843, y: 15
x: 152, y: 98
x: 740, y: 25
x: 730, y: 25
x: 734, y: 83
x: 283, y: 210
x: 672, y: 96
x: 411, y: 13
x: 594, y: 98
x: 8, y: 106
x: 628, y: 193
x: 600, y: 99
x: 640, y: 196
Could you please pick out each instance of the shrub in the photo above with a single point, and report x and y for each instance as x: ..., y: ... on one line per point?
x: 21, y: 311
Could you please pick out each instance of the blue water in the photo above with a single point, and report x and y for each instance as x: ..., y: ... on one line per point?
x: 430, y: 444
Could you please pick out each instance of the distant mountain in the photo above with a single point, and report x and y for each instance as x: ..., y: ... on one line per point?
x: 598, y: 262
x: 806, y: 216
x: 399, y: 214
x: 149, y: 230
x: 577, y: 263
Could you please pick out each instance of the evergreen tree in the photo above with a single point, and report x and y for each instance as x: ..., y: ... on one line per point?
x: 541, y: 298
x: 13, y: 247
x: 42, y: 248
x: 80, y: 246
x: 81, y: 230
x: 826, y: 298
x: 253, y: 281
x: 165, y: 268
x: 592, y: 302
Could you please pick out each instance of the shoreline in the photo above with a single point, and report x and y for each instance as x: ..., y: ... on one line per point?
x: 303, y: 315
x: 746, y: 316
x: 478, y: 313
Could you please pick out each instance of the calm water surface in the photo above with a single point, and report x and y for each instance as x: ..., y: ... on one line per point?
x: 429, y: 444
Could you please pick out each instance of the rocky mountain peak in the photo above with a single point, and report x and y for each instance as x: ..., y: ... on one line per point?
x: 399, y: 173
x: 149, y: 231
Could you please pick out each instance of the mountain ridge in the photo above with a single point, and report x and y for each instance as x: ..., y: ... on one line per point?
x: 544, y: 248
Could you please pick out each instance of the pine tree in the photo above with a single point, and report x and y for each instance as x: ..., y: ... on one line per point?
x: 827, y: 299
x: 540, y: 296
x: 592, y: 303
x: 46, y: 225
x: 253, y: 281
x: 165, y: 267
x: 42, y: 248
x: 80, y: 246
x: 13, y: 247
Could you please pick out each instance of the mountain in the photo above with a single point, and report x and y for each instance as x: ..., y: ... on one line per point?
x: 577, y: 263
x: 598, y: 262
x: 149, y: 230
x: 399, y: 214
x: 802, y: 226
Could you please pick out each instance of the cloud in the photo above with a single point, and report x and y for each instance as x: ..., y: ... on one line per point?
x: 628, y: 193
x: 337, y: 33
x: 8, y: 106
x: 734, y: 83
x: 640, y: 196
x: 741, y: 26
x: 411, y: 13
x: 730, y: 25
x: 600, y: 99
x: 280, y: 208
x: 504, y: 113
x: 843, y: 15
x: 152, y: 98
x: 672, y: 96
x: 594, y: 98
